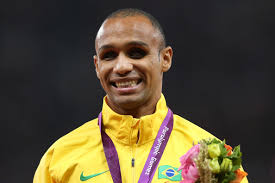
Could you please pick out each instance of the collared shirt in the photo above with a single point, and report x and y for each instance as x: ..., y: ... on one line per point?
x: 78, y: 157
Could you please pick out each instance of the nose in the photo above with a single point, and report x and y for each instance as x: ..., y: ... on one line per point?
x: 123, y: 65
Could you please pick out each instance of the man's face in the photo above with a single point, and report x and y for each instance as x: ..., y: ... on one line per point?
x: 129, y: 63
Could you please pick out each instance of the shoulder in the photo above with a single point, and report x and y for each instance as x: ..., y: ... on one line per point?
x: 84, y: 138
x: 87, y: 135
x: 65, y: 152
x: 189, y: 129
x: 80, y: 135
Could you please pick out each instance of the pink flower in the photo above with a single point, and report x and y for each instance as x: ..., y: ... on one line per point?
x: 189, y: 172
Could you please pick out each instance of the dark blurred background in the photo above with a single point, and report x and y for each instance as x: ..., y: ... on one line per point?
x: 221, y: 79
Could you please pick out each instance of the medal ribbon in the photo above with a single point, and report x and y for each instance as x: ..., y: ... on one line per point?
x: 154, y: 156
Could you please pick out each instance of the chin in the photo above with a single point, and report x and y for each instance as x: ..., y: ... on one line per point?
x: 129, y: 102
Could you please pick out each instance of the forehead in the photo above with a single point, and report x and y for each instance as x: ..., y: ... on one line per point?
x: 121, y: 30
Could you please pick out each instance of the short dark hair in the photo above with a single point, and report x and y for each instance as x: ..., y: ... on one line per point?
x: 121, y: 13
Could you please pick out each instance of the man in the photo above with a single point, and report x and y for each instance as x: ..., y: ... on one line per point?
x: 136, y: 138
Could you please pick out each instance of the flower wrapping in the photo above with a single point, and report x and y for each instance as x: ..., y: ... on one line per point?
x: 212, y: 161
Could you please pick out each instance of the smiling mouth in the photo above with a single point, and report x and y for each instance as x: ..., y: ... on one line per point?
x: 126, y: 84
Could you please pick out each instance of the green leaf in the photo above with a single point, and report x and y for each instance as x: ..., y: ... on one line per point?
x: 229, y: 176
x: 236, y: 152
x: 210, y: 141
x: 223, y: 151
x: 236, y: 158
x: 215, y: 141
x: 235, y: 167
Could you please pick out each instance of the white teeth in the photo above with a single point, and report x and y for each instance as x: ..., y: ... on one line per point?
x: 126, y: 84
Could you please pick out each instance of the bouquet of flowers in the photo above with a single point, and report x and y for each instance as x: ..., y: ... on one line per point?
x: 212, y: 161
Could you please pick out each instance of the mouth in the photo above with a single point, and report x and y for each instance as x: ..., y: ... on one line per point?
x: 126, y: 84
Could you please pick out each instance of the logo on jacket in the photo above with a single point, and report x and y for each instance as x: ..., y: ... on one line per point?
x: 84, y: 178
x: 169, y: 172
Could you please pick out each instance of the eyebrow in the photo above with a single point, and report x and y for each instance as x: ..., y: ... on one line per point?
x: 137, y: 43
x: 132, y: 43
x: 107, y: 46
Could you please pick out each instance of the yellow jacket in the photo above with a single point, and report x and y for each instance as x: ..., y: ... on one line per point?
x: 78, y: 157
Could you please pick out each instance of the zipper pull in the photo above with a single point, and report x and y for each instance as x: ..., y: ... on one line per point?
x: 133, y: 162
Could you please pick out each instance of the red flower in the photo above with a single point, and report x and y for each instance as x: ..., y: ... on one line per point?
x: 229, y: 149
x: 239, y: 176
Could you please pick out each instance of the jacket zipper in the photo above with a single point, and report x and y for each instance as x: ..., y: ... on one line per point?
x: 133, y: 160
x: 133, y: 169
x: 133, y: 163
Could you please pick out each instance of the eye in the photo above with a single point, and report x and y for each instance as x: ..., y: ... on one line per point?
x: 109, y: 55
x: 136, y: 53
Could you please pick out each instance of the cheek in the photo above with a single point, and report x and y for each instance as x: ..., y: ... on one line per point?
x: 156, y: 75
x: 152, y: 63
x: 151, y: 67
x: 155, y: 69
x: 103, y: 70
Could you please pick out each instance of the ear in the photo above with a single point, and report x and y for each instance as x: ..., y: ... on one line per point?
x: 96, y: 65
x: 166, y: 58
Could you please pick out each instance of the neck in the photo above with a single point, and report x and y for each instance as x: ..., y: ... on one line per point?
x: 142, y: 111
x: 136, y: 111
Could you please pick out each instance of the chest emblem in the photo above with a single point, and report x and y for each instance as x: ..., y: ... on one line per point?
x: 84, y: 178
x: 169, y: 172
